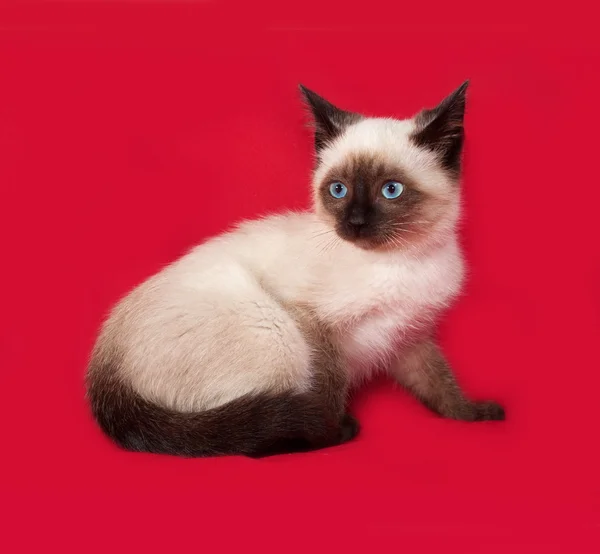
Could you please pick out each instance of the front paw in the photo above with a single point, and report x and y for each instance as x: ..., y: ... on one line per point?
x: 488, y: 411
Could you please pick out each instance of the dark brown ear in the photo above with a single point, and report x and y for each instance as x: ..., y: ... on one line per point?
x: 441, y: 129
x: 329, y: 121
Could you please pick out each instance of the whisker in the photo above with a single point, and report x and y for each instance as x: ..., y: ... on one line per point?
x: 402, y: 230
x: 323, y: 233
x: 409, y: 222
x: 330, y: 245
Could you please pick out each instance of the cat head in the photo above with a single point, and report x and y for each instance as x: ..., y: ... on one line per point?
x: 387, y: 183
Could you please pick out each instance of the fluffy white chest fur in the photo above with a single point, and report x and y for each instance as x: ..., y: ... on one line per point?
x: 403, y: 300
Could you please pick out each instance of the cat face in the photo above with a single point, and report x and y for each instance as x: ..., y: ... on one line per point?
x: 385, y: 183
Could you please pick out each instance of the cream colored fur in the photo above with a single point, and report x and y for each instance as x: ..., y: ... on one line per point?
x: 216, y: 325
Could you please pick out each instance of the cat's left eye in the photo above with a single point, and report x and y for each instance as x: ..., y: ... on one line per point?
x: 392, y: 189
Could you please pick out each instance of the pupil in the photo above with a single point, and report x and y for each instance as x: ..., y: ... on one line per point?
x: 338, y: 189
x: 392, y: 189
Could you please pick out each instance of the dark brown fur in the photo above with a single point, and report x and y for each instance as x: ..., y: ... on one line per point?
x: 329, y: 120
x: 365, y: 216
x: 441, y: 129
x: 426, y: 374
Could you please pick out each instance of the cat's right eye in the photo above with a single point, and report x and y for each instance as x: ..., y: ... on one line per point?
x: 338, y: 190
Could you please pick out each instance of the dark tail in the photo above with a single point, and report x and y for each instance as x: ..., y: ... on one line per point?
x: 253, y: 425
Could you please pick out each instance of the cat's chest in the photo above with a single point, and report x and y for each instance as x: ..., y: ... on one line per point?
x: 379, y: 307
x: 371, y: 340
x: 384, y: 291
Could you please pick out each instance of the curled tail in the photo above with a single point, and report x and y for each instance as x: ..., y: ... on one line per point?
x: 256, y: 425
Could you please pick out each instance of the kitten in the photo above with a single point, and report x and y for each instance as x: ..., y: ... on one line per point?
x: 250, y: 343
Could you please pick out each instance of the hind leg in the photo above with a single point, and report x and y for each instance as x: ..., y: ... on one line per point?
x: 321, y: 412
x: 246, y: 374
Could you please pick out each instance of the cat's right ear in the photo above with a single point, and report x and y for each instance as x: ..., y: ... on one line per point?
x: 330, y: 121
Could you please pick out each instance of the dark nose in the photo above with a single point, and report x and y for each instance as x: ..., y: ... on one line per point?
x: 357, y: 220
x: 356, y: 223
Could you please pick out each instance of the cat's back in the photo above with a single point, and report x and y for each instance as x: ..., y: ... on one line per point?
x: 253, y: 243
x: 238, y: 258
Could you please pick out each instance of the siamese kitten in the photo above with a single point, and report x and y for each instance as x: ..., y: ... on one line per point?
x: 251, y: 343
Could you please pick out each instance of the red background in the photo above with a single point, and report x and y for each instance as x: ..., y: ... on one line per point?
x: 130, y: 131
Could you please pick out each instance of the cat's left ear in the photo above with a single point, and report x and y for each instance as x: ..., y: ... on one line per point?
x: 441, y: 129
x: 330, y: 121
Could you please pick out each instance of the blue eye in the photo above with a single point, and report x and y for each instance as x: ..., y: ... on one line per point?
x: 392, y: 189
x: 338, y: 190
